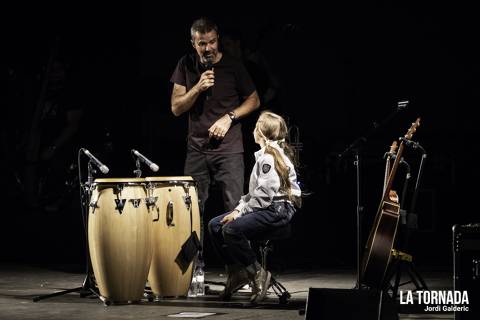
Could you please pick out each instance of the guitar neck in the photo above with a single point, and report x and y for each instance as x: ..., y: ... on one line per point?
x: 387, y: 172
x: 392, y: 172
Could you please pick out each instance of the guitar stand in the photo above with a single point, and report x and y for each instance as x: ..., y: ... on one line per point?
x: 403, y: 262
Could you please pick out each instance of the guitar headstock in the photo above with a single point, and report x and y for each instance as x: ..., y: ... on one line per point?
x: 412, y: 129
x: 393, y: 147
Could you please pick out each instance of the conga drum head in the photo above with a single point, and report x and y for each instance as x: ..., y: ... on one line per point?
x: 119, y: 180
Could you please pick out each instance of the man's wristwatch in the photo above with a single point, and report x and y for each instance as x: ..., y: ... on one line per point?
x: 232, y: 116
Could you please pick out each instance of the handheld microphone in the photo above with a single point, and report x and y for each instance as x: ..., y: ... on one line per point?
x: 209, y: 66
x: 144, y: 159
x: 103, y: 168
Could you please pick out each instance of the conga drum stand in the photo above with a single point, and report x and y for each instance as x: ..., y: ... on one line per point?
x: 88, y: 287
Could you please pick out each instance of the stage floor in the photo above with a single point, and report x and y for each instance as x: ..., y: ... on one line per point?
x: 19, y: 284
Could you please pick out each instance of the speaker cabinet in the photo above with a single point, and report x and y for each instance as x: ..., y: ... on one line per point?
x: 466, y: 267
x: 345, y: 304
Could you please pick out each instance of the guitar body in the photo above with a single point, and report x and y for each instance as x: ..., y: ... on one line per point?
x: 381, y: 244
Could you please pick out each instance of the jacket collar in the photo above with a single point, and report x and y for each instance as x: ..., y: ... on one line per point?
x: 261, y: 152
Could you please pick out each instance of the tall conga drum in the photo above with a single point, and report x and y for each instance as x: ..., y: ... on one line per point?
x: 120, y: 238
x: 174, y: 207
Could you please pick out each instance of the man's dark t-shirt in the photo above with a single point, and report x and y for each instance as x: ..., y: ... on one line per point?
x: 232, y: 83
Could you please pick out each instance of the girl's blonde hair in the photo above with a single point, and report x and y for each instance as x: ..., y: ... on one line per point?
x: 272, y: 128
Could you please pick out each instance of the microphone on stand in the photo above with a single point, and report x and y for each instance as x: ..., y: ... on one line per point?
x: 144, y: 159
x: 103, y: 168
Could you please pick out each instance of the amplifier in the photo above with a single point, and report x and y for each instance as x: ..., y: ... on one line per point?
x: 466, y: 267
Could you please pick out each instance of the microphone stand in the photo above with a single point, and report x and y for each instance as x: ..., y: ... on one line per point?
x: 88, y: 286
x: 412, y: 217
x: 417, y: 184
x: 360, y: 208
x: 355, y: 149
x: 412, y: 222
x: 138, y: 171
x: 403, y: 212
x: 88, y: 184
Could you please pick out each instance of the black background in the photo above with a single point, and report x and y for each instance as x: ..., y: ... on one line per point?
x: 342, y: 68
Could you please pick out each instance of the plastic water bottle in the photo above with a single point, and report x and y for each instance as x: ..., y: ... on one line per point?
x: 192, y: 291
x: 200, y: 282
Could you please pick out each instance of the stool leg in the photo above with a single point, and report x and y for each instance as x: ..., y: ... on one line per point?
x: 264, y: 252
x: 277, y: 287
x: 280, y: 291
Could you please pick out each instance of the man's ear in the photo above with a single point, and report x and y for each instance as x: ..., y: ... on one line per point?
x: 192, y: 42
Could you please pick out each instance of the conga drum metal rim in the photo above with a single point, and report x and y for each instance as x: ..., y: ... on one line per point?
x: 172, y: 179
x: 119, y: 180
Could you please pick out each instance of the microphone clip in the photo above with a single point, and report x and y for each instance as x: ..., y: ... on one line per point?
x: 137, y: 172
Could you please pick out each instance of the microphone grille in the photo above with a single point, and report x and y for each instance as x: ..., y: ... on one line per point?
x: 209, y: 64
x: 104, y: 169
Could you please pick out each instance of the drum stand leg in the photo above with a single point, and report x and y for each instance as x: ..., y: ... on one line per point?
x: 85, y: 290
x: 88, y: 287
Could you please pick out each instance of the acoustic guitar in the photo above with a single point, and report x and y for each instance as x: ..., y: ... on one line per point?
x: 382, y: 235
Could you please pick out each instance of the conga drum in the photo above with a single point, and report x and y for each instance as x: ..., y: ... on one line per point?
x: 175, y: 214
x: 120, y: 238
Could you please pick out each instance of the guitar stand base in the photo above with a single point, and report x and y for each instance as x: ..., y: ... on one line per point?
x: 403, y: 262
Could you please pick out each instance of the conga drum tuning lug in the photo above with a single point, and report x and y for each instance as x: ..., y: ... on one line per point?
x: 188, y: 201
x: 120, y: 203
x: 150, y: 201
x: 118, y: 188
x: 136, y: 202
x: 93, y: 205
